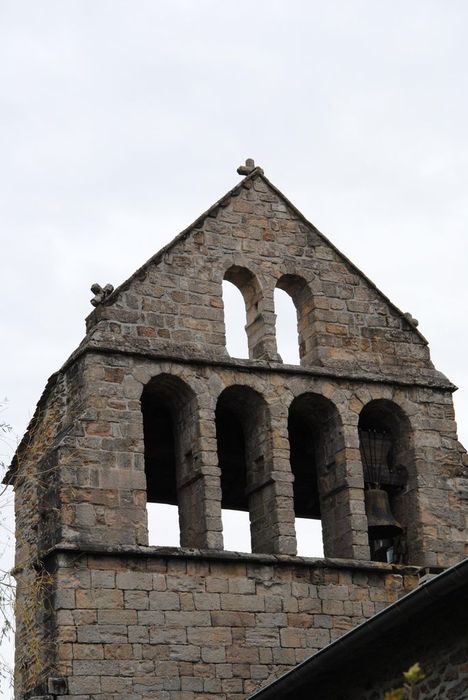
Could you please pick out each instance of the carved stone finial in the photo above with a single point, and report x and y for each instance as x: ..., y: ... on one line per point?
x: 100, y: 293
x: 414, y: 321
x: 247, y: 168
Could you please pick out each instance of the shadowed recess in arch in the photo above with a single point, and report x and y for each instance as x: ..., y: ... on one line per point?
x: 241, y: 426
x: 314, y: 439
x: 386, y: 447
x: 166, y: 408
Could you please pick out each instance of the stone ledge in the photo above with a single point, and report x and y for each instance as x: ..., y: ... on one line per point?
x: 434, y: 380
x: 227, y: 556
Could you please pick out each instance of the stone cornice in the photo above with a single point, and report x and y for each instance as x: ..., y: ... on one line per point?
x: 228, y: 556
x: 435, y: 380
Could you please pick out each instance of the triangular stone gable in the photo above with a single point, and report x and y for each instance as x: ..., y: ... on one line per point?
x: 173, y: 303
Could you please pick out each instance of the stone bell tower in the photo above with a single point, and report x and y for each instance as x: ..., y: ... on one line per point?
x: 151, y: 408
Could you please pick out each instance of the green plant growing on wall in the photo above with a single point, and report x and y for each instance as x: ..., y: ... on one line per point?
x: 413, y: 676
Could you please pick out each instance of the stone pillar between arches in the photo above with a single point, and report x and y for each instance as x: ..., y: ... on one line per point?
x: 199, y: 488
x: 344, y: 521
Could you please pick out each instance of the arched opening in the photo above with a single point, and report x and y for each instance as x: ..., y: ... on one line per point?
x: 315, y: 437
x: 286, y: 328
x: 386, y: 455
x: 234, y: 321
x: 168, y: 408
x: 243, y: 322
x: 241, y: 429
x: 298, y: 290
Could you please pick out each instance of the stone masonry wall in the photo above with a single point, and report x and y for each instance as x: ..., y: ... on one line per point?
x: 186, y: 626
x: 445, y: 670
x: 38, y: 516
x: 103, y: 491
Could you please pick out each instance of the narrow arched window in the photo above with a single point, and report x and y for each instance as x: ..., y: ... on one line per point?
x: 169, y: 426
x: 234, y: 321
x: 299, y: 335
x: 160, y: 469
x: 242, y: 317
x: 314, y: 439
x: 286, y: 328
x: 241, y: 430
x: 387, y: 457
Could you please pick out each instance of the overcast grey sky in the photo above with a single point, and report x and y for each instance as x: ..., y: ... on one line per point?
x: 122, y: 120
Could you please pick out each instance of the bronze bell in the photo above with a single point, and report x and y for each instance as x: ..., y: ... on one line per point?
x: 382, y: 524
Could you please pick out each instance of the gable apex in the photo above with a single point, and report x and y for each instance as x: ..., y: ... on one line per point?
x: 185, y: 233
x: 253, y: 173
